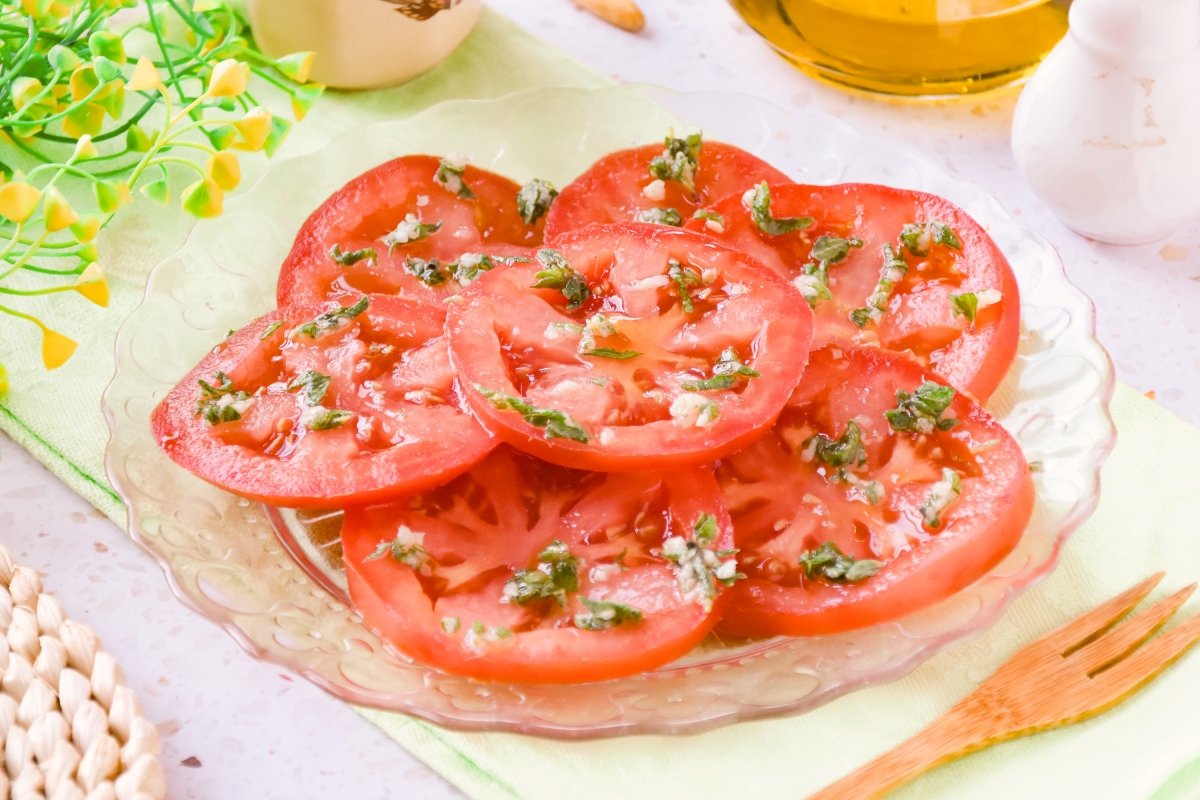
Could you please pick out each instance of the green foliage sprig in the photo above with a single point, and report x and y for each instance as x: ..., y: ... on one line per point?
x: 99, y: 98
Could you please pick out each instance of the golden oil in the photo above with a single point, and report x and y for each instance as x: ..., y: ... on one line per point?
x: 911, y: 47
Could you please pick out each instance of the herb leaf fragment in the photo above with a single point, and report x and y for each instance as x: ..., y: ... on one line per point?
x: 941, y: 496
x: 893, y: 270
x: 534, y: 200
x: 330, y: 320
x: 829, y: 562
x: 557, y: 424
x: 968, y: 304
x: 319, y: 418
x: 352, y: 257
x: 410, y: 229
x: 449, y: 176
x: 469, y: 266
x: 660, y: 216
x: 427, y: 270
x: 919, y: 238
x: 758, y: 201
x: 408, y: 548
x: 679, y: 161
x: 845, y: 451
x: 556, y: 273
x: 699, y: 568
x: 684, y: 278
x: 313, y: 384
x: 219, y: 401
x: 728, y: 370
x: 922, y: 411
x: 556, y: 574
x: 601, y: 615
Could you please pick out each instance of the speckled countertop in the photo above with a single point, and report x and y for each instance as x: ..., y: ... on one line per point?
x: 235, y: 728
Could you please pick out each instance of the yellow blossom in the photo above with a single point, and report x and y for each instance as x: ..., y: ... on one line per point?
x: 92, y: 284
x: 57, y: 212
x: 228, y: 79
x: 18, y: 200
x: 145, y: 77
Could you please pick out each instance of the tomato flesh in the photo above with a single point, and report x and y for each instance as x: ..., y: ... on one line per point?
x: 363, y: 212
x: 920, y: 318
x: 614, y: 188
x: 478, y: 531
x: 634, y: 370
x: 786, y: 504
x: 386, y: 371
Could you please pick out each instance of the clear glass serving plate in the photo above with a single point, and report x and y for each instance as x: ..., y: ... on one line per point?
x: 272, y: 578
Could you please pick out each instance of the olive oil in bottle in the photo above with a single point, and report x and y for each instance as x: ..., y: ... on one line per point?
x: 911, y: 47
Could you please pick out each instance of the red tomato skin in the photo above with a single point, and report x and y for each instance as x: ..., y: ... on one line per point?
x: 393, y: 602
x: 611, y: 189
x: 977, y: 358
x: 782, y: 358
x: 372, y: 204
x: 187, y: 439
x: 969, y: 546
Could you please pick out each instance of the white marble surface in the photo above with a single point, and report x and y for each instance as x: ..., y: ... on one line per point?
x: 236, y: 728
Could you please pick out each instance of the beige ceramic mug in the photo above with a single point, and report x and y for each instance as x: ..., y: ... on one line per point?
x: 363, y: 44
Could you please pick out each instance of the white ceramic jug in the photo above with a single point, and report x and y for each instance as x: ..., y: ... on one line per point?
x: 1107, y: 131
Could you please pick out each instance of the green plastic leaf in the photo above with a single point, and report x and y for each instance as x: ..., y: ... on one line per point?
x: 106, y: 45
x: 62, y: 58
x: 203, y: 199
x: 303, y: 98
x: 106, y: 69
x: 108, y: 196
x: 280, y: 128
x: 138, y: 140
x: 222, y: 136
x: 158, y: 191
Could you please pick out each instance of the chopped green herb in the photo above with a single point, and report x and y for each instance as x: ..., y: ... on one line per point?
x: 410, y: 229
x: 894, y: 268
x: 712, y: 220
x: 679, y: 161
x: 469, y: 266
x: 698, y: 567
x: 330, y: 320
x: 727, y: 371
x: 829, y: 562
x: 846, y: 451
x: 534, y: 199
x: 660, y: 216
x: 924, y: 410
x: 270, y: 329
x: 758, y: 200
x: 451, y: 624
x: 313, y: 384
x: 968, y: 304
x: 349, y: 259
x: 319, y: 418
x: 608, y: 352
x: 408, y: 548
x: 428, y: 271
x: 449, y: 176
x: 557, y: 425
x: 941, y: 496
x: 685, y: 278
x: 604, y: 614
x: 219, y: 401
x: 556, y: 574
x: 556, y: 273
x: 919, y: 238
x: 832, y: 249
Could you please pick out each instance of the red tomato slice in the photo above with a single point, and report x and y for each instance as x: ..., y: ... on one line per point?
x: 788, y: 502
x: 363, y: 411
x: 643, y: 374
x: 614, y: 189
x: 436, y: 588
x: 361, y: 215
x: 919, y: 316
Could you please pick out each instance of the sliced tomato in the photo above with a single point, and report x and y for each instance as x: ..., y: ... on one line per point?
x: 896, y: 514
x: 315, y: 405
x: 430, y: 573
x: 358, y: 219
x: 659, y: 348
x: 918, y: 315
x: 620, y: 186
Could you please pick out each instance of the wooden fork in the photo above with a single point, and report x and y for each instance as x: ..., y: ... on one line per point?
x: 1080, y: 670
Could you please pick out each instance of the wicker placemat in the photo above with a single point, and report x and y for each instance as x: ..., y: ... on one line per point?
x: 69, y: 727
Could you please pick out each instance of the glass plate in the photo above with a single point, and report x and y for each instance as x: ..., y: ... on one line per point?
x: 280, y: 595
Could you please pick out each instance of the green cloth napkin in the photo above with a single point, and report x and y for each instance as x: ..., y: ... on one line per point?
x: 1145, y: 523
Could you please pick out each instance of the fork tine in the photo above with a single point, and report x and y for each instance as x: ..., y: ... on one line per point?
x: 1127, y: 676
x: 1082, y: 630
x: 1113, y: 646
